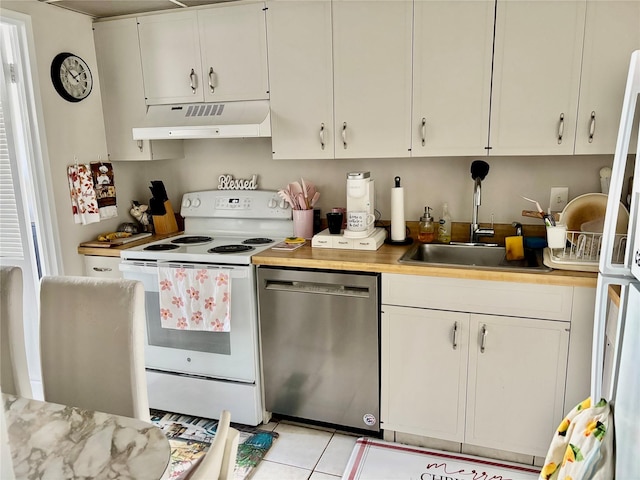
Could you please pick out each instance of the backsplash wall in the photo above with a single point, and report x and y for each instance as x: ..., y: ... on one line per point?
x: 426, y: 181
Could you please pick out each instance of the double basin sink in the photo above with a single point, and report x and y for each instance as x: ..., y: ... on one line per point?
x: 476, y: 256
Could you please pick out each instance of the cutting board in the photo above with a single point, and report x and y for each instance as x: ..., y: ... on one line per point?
x: 117, y: 241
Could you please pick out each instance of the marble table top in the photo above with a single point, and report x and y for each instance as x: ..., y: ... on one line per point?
x: 54, y: 441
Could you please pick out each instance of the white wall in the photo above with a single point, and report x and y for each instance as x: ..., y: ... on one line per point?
x: 427, y: 181
x: 72, y: 129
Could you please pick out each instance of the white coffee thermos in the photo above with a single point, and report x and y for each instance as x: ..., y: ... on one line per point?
x: 398, y: 226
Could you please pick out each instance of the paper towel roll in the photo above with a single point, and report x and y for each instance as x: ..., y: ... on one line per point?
x: 398, y: 226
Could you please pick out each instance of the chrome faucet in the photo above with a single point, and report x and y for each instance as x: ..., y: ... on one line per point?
x: 479, y: 170
x: 518, y: 227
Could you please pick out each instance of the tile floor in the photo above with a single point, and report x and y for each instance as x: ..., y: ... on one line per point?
x: 304, y: 452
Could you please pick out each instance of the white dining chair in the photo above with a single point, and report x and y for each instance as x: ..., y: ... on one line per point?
x: 92, y: 344
x: 220, y: 460
x: 13, y: 362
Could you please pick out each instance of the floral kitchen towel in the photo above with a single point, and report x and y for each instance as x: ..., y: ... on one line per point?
x: 104, y: 185
x: 582, y: 447
x: 84, y: 202
x: 195, y: 298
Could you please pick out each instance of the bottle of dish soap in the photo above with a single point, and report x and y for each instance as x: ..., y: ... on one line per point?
x: 426, y: 227
x: 444, y: 229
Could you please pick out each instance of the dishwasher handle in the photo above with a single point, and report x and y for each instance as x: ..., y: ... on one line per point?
x: 317, y: 288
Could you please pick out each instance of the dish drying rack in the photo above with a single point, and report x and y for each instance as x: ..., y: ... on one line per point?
x: 582, y: 251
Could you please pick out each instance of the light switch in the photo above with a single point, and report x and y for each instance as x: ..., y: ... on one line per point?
x: 558, y: 198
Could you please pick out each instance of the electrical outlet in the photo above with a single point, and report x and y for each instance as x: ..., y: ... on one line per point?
x: 558, y: 198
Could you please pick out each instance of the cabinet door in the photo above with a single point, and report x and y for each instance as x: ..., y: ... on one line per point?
x: 102, y: 267
x: 517, y: 371
x: 301, y: 79
x: 170, y: 51
x: 122, y: 92
x: 233, y: 43
x: 612, y: 32
x: 536, y: 77
x: 424, y: 371
x: 452, y: 49
x: 372, y: 78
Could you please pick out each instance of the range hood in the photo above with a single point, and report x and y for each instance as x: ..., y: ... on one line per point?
x: 206, y: 120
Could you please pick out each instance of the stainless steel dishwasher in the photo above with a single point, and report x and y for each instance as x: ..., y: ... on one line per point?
x: 320, y: 344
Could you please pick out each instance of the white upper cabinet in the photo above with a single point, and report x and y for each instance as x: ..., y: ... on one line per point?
x: 233, y: 41
x: 170, y: 51
x: 301, y: 79
x: 536, y: 77
x: 122, y: 92
x: 612, y: 32
x: 452, y: 49
x: 372, y: 78
x: 214, y: 54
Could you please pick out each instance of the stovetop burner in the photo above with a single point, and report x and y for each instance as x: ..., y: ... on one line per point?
x: 162, y: 246
x: 192, y: 239
x: 257, y: 241
x: 230, y: 249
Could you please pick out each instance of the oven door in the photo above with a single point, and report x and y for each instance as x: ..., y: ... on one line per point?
x: 223, y: 355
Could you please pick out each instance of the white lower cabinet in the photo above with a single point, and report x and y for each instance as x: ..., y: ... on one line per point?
x: 102, y: 267
x: 494, y: 381
x: 424, y: 371
x: 515, y: 383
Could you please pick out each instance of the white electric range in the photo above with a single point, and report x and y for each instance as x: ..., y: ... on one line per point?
x: 201, y: 372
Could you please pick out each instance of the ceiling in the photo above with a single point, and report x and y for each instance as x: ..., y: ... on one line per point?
x: 113, y: 8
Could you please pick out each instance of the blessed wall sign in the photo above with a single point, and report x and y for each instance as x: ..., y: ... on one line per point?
x: 227, y: 182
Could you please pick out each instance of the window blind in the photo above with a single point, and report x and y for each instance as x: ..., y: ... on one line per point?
x: 10, y: 238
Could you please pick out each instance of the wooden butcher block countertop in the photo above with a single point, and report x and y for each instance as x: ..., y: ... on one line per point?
x: 385, y: 260
x: 87, y: 248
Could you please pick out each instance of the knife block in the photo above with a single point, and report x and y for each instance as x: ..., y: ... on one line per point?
x: 165, y: 223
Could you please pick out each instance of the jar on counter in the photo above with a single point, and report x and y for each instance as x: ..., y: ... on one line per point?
x: 427, y: 227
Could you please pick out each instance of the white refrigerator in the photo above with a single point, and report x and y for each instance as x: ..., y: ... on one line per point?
x: 622, y: 371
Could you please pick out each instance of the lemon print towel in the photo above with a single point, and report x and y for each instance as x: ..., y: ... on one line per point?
x: 582, y: 447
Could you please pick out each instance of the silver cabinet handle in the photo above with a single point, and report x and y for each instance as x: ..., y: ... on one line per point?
x: 102, y: 269
x: 423, y: 130
x: 193, y: 81
x: 344, y: 135
x: 455, y: 335
x: 592, y: 126
x: 322, y: 135
x: 140, y: 145
x: 484, y: 338
x: 560, y: 128
x: 213, y: 80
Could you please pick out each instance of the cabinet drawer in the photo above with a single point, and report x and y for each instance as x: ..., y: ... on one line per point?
x: 478, y: 296
x: 104, y: 267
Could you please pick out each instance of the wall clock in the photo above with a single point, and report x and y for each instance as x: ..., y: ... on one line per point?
x: 71, y: 77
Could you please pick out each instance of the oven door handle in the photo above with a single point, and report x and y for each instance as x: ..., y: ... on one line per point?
x: 235, y: 271
x: 129, y: 267
x: 152, y: 268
